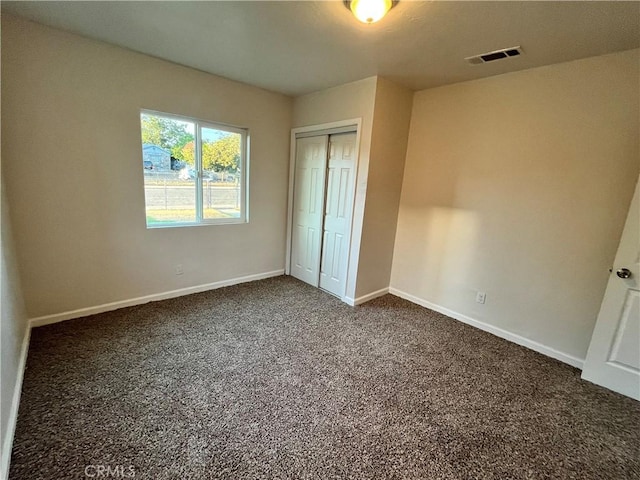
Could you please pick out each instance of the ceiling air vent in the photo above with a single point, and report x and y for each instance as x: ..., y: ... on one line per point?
x: 495, y: 55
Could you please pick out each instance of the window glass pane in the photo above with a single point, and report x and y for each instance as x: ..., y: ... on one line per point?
x: 168, y: 160
x: 193, y: 171
x: 221, y: 174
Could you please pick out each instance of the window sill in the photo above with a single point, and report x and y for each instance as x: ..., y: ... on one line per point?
x: 235, y: 221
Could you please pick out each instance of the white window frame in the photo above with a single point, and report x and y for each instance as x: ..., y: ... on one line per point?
x: 243, y: 168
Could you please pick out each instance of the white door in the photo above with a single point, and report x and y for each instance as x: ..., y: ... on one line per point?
x: 308, y: 203
x: 613, y: 359
x: 337, y: 219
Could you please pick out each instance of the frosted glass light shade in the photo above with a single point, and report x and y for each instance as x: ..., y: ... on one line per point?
x: 370, y: 11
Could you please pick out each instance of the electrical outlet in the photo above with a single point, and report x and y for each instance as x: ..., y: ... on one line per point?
x: 179, y: 270
x: 481, y: 297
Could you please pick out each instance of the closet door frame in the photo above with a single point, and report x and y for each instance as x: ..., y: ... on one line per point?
x: 342, y: 126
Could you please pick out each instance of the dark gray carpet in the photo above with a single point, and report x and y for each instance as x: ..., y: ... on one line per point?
x: 275, y: 379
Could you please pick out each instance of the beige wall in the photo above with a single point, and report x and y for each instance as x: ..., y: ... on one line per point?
x: 349, y: 101
x: 13, y: 327
x: 518, y: 185
x: 72, y: 154
x: 391, y: 118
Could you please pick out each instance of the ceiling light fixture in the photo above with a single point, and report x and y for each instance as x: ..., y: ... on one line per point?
x: 370, y: 11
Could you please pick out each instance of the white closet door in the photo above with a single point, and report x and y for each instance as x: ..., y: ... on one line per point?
x: 308, y: 202
x: 338, y: 208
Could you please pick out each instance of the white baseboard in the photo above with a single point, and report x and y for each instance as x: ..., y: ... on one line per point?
x: 7, y: 441
x: 365, y: 298
x: 83, y: 312
x: 497, y: 331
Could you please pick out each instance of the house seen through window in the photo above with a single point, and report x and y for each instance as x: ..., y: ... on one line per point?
x: 194, y: 171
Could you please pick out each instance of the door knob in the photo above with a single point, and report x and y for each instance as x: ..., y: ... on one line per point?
x: 624, y: 273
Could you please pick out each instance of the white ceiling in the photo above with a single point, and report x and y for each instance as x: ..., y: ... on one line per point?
x: 297, y: 47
